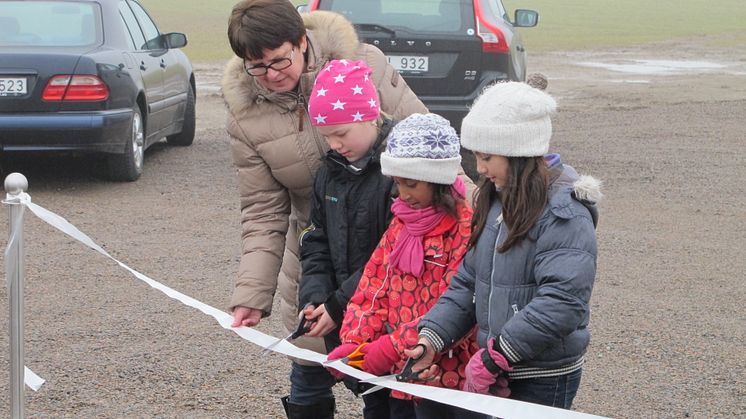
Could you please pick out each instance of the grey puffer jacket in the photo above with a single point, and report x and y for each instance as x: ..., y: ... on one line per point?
x: 533, y: 298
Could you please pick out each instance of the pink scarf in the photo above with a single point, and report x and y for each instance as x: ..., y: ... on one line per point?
x: 409, y: 252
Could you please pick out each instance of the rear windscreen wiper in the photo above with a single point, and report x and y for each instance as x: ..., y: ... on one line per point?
x: 374, y: 27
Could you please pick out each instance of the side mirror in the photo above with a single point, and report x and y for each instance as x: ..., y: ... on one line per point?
x: 301, y: 8
x: 525, y: 18
x: 175, y: 40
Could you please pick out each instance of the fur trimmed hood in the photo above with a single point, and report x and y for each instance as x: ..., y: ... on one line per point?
x: 330, y: 36
x: 588, y: 189
x: 568, y: 186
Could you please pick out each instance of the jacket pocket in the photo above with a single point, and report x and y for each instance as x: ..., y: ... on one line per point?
x: 506, y: 302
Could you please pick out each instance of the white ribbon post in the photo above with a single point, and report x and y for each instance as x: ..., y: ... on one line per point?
x: 496, y: 406
x: 30, y: 379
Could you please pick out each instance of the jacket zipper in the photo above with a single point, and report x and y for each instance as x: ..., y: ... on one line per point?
x: 301, y: 108
x: 301, y: 112
x: 492, y: 275
x: 303, y: 233
x: 436, y: 263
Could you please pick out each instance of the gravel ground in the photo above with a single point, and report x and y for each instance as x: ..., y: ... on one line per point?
x: 668, y: 319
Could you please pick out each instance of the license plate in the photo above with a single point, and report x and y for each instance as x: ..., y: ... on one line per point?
x: 13, y: 86
x: 409, y: 62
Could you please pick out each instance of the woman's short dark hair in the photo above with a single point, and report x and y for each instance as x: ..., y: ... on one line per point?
x: 256, y: 25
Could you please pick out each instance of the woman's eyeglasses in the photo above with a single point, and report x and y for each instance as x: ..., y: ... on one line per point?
x: 277, y: 65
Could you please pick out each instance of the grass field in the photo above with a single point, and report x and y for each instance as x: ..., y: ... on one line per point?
x: 563, y: 25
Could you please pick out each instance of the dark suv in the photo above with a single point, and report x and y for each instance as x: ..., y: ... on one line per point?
x: 447, y: 50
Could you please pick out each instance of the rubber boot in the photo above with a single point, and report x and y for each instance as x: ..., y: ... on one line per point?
x: 321, y: 410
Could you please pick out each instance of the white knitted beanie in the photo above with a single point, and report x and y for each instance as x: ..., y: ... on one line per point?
x: 509, y: 119
x: 422, y: 147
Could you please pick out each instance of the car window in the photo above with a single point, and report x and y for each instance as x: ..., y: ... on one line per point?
x: 128, y: 36
x: 437, y: 16
x: 153, y: 38
x: 50, y: 24
x: 497, y: 9
x: 136, y: 37
x: 434, y: 16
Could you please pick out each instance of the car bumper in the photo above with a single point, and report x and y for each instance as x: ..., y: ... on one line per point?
x: 100, y: 131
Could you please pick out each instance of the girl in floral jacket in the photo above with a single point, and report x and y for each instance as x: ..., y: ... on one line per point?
x: 414, y: 261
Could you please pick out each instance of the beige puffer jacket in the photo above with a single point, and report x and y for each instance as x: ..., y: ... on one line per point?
x: 277, y: 153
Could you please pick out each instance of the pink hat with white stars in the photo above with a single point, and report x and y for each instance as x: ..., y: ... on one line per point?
x: 343, y: 93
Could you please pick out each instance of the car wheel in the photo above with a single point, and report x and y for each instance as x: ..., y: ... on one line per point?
x: 127, y: 166
x: 186, y: 136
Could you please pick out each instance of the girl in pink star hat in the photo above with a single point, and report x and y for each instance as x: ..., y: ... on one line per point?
x: 344, y: 106
x: 351, y: 207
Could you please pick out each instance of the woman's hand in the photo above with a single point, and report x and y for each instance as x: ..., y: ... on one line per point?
x: 322, y: 322
x: 245, y: 316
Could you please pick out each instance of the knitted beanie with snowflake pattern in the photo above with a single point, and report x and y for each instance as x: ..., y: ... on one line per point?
x: 422, y: 147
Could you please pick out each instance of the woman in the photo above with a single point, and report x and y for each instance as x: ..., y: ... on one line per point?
x: 277, y: 153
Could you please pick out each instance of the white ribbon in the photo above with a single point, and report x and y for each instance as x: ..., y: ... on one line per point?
x: 33, y: 381
x: 496, y: 406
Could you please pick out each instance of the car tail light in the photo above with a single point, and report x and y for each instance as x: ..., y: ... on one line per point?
x: 313, y: 5
x: 75, y: 87
x: 493, y: 39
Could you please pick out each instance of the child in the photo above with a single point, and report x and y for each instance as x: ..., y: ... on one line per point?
x: 350, y: 212
x: 528, y: 276
x: 414, y: 261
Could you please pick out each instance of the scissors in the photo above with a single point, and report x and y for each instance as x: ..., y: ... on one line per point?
x: 355, y: 358
x: 406, y: 374
x: 304, y: 326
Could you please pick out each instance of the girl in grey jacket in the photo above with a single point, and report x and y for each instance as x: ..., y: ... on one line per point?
x: 527, y: 278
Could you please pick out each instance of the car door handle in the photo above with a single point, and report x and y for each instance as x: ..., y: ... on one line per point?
x: 142, y: 66
x: 520, y: 48
x: 163, y: 64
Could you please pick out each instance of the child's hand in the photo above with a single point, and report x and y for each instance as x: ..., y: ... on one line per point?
x: 424, y: 368
x: 308, y: 312
x: 323, y: 323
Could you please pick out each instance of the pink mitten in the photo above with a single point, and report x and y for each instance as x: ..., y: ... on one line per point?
x: 380, y: 356
x: 339, y: 352
x: 500, y: 388
x: 483, y: 369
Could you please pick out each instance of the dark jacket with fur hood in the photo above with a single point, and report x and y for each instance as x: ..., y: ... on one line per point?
x: 277, y: 152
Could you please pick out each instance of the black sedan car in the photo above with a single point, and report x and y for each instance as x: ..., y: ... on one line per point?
x: 448, y: 51
x: 92, y: 76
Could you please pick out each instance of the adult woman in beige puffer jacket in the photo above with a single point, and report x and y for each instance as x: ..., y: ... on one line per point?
x: 277, y: 153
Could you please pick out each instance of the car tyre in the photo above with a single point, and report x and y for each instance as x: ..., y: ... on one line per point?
x: 186, y: 136
x: 127, y: 167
